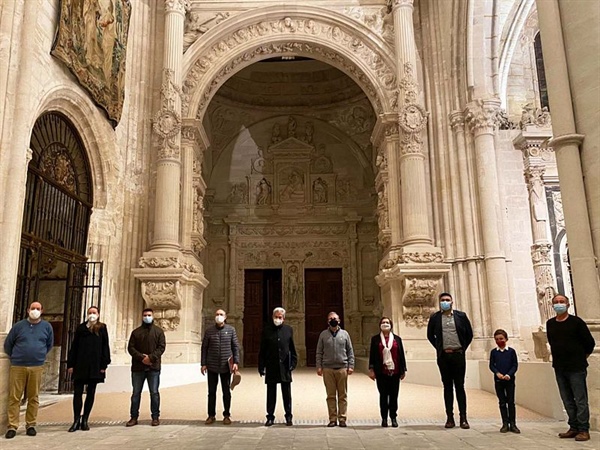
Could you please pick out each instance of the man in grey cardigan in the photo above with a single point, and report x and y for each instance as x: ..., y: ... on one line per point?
x: 220, y: 343
x: 335, y: 361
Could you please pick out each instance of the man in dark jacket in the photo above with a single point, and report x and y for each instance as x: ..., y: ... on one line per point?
x: 450, y: 332
x: 220, y: 358
x: 146, y: 346
x: 572, y: 343
x: 276, y: 361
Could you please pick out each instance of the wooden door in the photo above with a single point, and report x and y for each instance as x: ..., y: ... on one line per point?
x: 262, y: 293
x: 323, y: 294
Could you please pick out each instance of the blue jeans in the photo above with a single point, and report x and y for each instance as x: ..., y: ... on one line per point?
x: 573, y: 392
x: 137, y: 380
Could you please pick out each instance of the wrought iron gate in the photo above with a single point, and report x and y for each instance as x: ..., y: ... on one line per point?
x: 84, y: 289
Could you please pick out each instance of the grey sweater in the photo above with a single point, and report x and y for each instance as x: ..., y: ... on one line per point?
x: 335, y: 352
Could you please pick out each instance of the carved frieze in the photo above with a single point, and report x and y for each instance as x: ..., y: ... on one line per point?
x: 415, y: 257
x: 412, y: 117
x: 291, y: 230
x: 295, y: 26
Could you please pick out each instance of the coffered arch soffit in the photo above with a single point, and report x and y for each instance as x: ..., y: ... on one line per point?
x: 353, y: 148
x: 312, y: 32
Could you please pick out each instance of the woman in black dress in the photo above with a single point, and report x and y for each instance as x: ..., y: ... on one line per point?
x: 387, y: 366
x: 88, y: 359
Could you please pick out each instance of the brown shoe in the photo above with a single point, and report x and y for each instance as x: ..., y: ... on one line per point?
x: 343, y: 424
x: 226, y: 421
x: 333, y: 423
x: 155, y: 422
x: 132, y: 422
x: 582, y: 436
x: 209, y: 420
x: 450, y: 422
x: 569, y: 434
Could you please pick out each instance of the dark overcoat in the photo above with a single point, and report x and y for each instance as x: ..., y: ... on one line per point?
x: 89, y: 354
x: 277, y: 357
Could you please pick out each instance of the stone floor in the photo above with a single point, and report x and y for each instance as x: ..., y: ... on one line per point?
x: 183, y: 410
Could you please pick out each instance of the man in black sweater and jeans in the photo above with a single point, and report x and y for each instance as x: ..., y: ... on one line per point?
x: 571, y: 343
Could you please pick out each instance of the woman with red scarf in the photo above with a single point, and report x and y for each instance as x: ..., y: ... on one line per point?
x: 387, y: 366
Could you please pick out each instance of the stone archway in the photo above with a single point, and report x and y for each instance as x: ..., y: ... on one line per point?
x: 308, y: 32
x: 267, y: 32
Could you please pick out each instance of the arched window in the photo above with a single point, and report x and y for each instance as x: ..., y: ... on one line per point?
x: 541, y: 73
x: 59, y: 190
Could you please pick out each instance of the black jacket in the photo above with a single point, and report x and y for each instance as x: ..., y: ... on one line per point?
x: 277, y: 356
x: 463, y: 330
x: 89, y: 354
x: 146, y: 340
x: 375, y: 360
x: 218, y: 345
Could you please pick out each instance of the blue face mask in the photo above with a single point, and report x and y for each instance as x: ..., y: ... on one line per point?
x: 445, y: 305
x: 148, y: 319
x: 560, y: 308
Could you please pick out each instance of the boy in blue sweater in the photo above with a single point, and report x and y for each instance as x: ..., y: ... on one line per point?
x: 504, y: 365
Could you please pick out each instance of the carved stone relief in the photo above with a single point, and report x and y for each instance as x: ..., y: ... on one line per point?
x: 263, y: 192
x: 167, y: 122
x: 419, y: 300
x: 377, y: 20
x: 196, y: 25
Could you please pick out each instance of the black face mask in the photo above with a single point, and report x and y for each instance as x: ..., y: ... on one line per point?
x: 333, y: 323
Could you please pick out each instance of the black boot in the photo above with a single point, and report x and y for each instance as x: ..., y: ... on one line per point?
x: 84, y: 424
x: 464, y: 424
x: 76, y: 424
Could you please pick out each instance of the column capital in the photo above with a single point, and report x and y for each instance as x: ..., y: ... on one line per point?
x: 534, y: 174
x: 457, y: 121
x: 395, y: 4
x: 177, y: 6
x: 482, y: 115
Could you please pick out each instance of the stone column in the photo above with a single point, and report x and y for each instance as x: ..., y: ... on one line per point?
x: 412, y: 120
x: 566, y: 144
x: 167, y: 127
x: 172, y: 280
x: 481, y: 115
x: 457, y: 120
x: 412, y: 271
x: 566, y: 147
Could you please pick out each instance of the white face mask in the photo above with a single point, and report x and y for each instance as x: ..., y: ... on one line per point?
x: 385, y: 326
x: 277, y: 322
x: 92, y: 317
x: 219, y: 319
x: 34, y: 314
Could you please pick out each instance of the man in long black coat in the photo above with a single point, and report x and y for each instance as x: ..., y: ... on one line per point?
x: 276, y: 361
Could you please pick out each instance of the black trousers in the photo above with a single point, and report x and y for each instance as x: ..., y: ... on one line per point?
x: 286, y: 394
x: 388, y: 387
x: 213, y: 380
x: 78, y: 397
x: 505, y: 390
x: 452, y: 369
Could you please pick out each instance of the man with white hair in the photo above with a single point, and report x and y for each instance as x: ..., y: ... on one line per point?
x: 276, y: 361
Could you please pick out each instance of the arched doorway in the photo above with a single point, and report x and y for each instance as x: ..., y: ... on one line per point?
x: 53, y: 266
x: 292, y: 203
